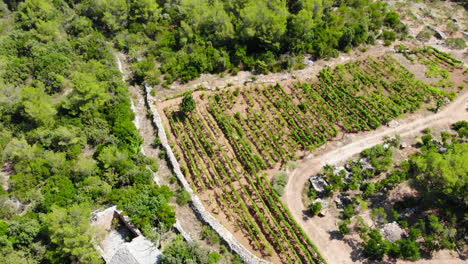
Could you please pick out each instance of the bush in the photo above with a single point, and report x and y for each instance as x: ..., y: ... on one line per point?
x: 409, y: 249
x: 312, y: 194
x: 389, y: 35
x: 210, y: 235
x: 188, y: 104
x: 279, y: 182
x: 425, y: 34
x: 156, y: 142
x: 348, y: 211
x: 183, y: 197
x: 179, y: 251
x: 343, y: 227
x: 376, y: 247
x: 315, y: 208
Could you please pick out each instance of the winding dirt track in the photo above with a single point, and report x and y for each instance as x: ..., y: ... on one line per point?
x: 337, y: 251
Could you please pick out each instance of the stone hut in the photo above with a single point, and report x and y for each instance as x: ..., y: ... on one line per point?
x: 123, y: 243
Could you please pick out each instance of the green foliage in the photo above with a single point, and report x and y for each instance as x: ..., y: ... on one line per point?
x: 409, y: 249
x: 23, y: 231
x: 348, y: 211
x: 191, y: 37
x: 72, y: 235
x: 462, y: 128
x: 456, y: 43
x: 343, y: 227
x: 280, y: 180
x: 179, y: 251
x: 380, y: 157
x: 88, y: 94
x: 188, y: 104
x: 376, y: 246
x: 443, y: 175
x: 315, y: 208
x: 264, y: 22
x: 210, y: 235
x: 146, y: 204
x: 59, y: 190
x: 379, y: 215
x: 37, y: 106
x: 183, y: 197
x: 66, y: 126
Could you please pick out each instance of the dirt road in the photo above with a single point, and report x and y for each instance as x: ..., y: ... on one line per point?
x: 337, y: 251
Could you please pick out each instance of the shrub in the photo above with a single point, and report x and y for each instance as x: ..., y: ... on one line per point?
x: 188, y: 104
x: 315, y: 208
x: 409, y: 249
x: 343, y: 227
x: 156, y: 142
x: 279, y: 182
x: 348, y: 211
x: 210, y: 235
x: 376, y: 247
x: 389, y: 35
x: 183, y: 197
x: 425, y: 34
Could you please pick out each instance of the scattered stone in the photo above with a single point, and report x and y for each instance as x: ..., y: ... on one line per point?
x: 403, y: 145
x: 342, y: 201
x: 408, y: 212
x: 442, y: 150
x: 338, y: 171
x: 318, y: 183
x: 438, y: 33
x: 386, y: 146
x: 365, y: 163
x: 393, y: 123
x: 392, y: 232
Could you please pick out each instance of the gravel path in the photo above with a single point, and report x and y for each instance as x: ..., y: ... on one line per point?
x: 338, y: 251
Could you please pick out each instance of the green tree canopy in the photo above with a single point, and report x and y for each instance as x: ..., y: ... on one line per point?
x: 264, y: 21
x: 445, y: 174
x: 72, y: 235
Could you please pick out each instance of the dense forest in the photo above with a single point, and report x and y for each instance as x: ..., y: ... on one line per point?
x: 183, y: 38
x: 67, y: 138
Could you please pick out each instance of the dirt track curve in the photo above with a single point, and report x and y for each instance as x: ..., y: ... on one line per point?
x: 337, y: 251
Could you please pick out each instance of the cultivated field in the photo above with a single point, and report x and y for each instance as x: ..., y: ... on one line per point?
x: 236, y: 135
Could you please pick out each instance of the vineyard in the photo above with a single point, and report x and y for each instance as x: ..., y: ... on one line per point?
x: 237, y: 134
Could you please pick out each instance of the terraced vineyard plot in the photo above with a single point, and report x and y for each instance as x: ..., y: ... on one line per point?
x: 234, y: 135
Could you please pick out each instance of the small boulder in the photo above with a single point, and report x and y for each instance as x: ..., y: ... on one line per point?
x: 392, y: 232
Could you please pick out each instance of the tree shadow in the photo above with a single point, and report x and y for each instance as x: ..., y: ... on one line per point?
x: 307, y: 215
x: 335, y: 235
